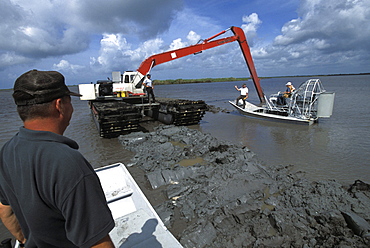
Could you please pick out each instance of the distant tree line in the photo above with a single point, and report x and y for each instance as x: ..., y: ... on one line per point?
x: 231, y: 79
x: 201, y: 80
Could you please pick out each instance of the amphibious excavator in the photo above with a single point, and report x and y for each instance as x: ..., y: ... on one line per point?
x: 119, y: 104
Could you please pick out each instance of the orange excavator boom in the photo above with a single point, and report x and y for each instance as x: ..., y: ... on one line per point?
x: 239, y: 36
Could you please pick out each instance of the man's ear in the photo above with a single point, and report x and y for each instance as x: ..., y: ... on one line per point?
x: 59, y: 105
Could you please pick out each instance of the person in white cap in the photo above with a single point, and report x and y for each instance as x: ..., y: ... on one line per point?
x: 289, y: 90
x: 286, y: 94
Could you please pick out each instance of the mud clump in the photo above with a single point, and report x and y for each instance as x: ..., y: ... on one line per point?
x: 219, y: 195
x: 214, y: 109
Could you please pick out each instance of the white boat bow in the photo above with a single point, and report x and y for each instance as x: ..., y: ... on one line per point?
x: 137, y: 223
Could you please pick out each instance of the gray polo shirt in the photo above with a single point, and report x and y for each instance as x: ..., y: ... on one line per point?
x: 53, y: 191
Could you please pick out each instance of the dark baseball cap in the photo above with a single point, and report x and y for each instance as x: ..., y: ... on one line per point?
x: 35, y: 87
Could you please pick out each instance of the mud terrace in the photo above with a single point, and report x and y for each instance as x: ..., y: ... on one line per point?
x: 219, y: 195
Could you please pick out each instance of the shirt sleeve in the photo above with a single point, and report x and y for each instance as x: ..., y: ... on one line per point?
x: 2, y: 198
x: 88, y: 218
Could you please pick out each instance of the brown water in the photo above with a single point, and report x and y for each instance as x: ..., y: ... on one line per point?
x: 336, y: 148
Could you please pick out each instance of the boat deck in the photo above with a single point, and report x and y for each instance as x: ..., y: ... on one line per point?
x: 260, y: 112
x: 137, y: 223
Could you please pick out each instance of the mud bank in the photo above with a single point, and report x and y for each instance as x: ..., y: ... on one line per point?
x: 219, y: 195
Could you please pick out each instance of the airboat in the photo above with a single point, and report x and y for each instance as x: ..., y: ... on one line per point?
x: 306, y: 105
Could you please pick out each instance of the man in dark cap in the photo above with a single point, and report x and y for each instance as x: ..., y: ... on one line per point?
x: 50, y: 195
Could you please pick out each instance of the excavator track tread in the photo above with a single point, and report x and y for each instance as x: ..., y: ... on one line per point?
x: 114, y: 118
x: 184, y: 112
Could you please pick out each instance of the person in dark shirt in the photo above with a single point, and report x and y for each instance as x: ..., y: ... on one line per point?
x: 50, y: 195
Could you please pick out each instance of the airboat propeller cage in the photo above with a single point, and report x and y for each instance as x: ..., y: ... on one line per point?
x: 311, y: 101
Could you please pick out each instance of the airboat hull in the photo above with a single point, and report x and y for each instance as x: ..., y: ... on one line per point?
x: 254, y: 111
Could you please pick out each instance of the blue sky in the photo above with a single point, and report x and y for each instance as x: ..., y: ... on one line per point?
x: 87, y: 40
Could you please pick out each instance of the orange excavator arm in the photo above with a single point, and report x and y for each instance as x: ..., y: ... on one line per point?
x: 239, y: 36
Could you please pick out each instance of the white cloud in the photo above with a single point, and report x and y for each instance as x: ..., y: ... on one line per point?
x: 250, y: 26
x: 252, y: 22
x: 42, y: 28
x: 326, y: 33
x: 10, y: 58
x: 117, y: 54
x: 326, y: 36
x: 339, y: 23
x: 65, y: 66
x: 176, y: 44
x: 193, y: 37
x: 29, y: 29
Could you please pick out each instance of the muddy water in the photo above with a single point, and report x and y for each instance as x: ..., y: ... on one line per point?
x: 337, y: 148
x: 233, y: 201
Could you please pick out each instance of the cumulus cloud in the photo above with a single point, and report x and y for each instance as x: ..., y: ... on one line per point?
x: 65, y: 66
x: 250, y: 26
x: 338, y: 24
x: 145, y: 18
x: 193, y: 37
x: 28, y: 31
x: 112, y: 54
x: 117, y: 54
x: 327, y: 33
x: 326, y: 36
x: 40, y: 28
x: 10, y: 58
